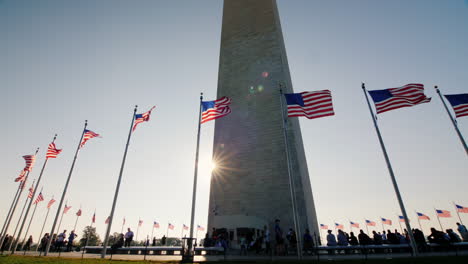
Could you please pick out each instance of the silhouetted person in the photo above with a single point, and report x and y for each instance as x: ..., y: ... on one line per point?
x: 308, y: 242
x: 454, y: 238
x: 28, y: 244
x: 364, y: 239
x: 463, y: 232
x: 128, y: 237
x: 353, y: 239
x: 163, y: 240
x: 392, y: 238
x: 118, y: 243
x: 377, y: 238
x: 71, y: 237
x: 154, y: 242
x: 438, y: 237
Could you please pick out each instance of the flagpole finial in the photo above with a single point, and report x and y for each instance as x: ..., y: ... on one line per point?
x: 85, y: 123
x: 363, y: 85
x: 134, y: 110
x: 37, y: 150
x: 201, y: 96
x: 437, y: 89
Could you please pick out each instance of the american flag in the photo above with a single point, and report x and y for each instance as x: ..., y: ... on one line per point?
x: 200, y: 228
x: 212, y: 110
x: 88, y: 134
x: 30, y: 160
x: 140, y: 222
x: 354, y: 224
x: 389, y: 99
x: 370, y: 223
x: 66, y: 208
x: 31, y: 192
x: 155, y: 224
x: 52, y: 151
x: 443, y: 213
x: 461, y: 209
x: 107, y: 220
x: 78, y: 213
x: 310, y: 104
x: 386, y: 221
x: 39, y: 198
x: 50, y: 203
x: 401, y: 218
x: 322, y: 226
x: 140, y: 118
x: 459, y: 103
x: 93, y: 220
x: 422, y: 216
x: 185, y: 227
x: 170, y: 226
x: 339, y: 226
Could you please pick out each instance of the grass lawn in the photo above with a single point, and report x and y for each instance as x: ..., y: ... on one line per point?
x: 55, y: 260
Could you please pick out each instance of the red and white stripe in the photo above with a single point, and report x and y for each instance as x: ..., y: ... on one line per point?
x: 356, y: 225
x: 39, y: 198
x: 31, y: 192
x: 144, y: 118
x: 78, y: 213
x: 52, y: 151
x: 461, y: 209
x: 220, y: 109
x: 200, y: 228
x: 461, y: 110
x: 443, y: 213
x: 107, y: 220
x: 66, y: 209
x: 316, y: 104
x: 322, y: 226
x: 386, y: 221
x: 51, y: 202
x: 409, y: 95
x: 21, y: 177
x: 170, y: 226
x: 87, y: 136
x: 185, y: 227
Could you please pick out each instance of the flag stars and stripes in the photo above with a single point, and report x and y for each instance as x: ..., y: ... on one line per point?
x: 461, y: 209
x: 88, y: 134
x: 422, y: 216
x: 370, y: 223
x: 52, y: 151
x: 39, y: 198
x: 311, y: 105
x: 443, y: 213
x: 50, y: 203
x: 386, y: 221
x: 140, y: 118
x: 212, y: 110
x: 459, y: 103
x: 389, y: 99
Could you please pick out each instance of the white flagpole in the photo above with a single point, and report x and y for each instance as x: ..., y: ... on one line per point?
x: 64, y: 191
x: 30, y: 202
x: 152, y: 230
x: 138, y: 229
x: 454, y: 121
x: 392, y: 175
x: 458, y: 214
x: 438, y: 219
x: 11, y: 207
x: 194, y: 191
x: 61, y: 218
x: 30, y: 221
x: 117, y: 188
x: 15, y: 242
x: 43, y: 225
x: 291, y: 181
x: 7, y: 225
x: 76, y: 221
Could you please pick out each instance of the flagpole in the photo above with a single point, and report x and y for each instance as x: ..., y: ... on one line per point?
x: 419, y: 221
x: 76, y: 221
x: 454, y: 121
x: 399, y: 223
x: 458, y: 214
x: 30, y: 221
x: 43, y: 225
x: 15, y: 242
x: 11, y: 207
x: 367, y: 227
x: 392, y: 176
x: 138, y: 229
x: 121, y: 230
x: 64, y: 191
x: 61, y: 218
x: 117, y: 188
x: 195, y: 176
x: 33, y: 195
x: 152, y: 231
x: 291, y: 182
x: 14, y: 206
x: 438, y: 219
x: 87, y: 237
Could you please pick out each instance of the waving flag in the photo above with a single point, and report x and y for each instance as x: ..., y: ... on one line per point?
x: 356, y: 225
x: 39, y: 198
x: 389, y: 99
x: 31, y: 192
x: 459, y: 103
x: 461, y: 209
x: 200, y: 228
x: 50, y: 203
x: 339, y: 226
x: 170, y: 226
x: 140, y: 222
x: 140, y: 118
x: 185, y: 227
x: 88, y: 134
x: 422, y: 216
x: 52, y: 151
x: 93, y: 220
x: 310, y: 104
x: 401, y: 218
x: 66, y: 208
x: 155, y: 224
x: 370, y: 223
x: 386, y: 221
x: 107, y: 220
x: 78, y: 213
x: 212, y: 110
x: 322, y: 226
x: 30, y: 160
x: 443, y: 213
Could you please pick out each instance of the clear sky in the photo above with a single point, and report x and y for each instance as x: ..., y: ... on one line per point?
x: 62, y: 62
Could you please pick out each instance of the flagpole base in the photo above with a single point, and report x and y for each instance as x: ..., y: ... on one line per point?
x: 188, y: 249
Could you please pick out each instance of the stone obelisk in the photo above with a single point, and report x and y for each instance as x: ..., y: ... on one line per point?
x: 250, y: 187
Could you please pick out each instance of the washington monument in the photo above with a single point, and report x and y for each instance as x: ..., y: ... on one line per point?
x: 250, y: 187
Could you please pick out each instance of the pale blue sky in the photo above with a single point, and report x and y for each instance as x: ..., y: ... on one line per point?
x: 66, y: 61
